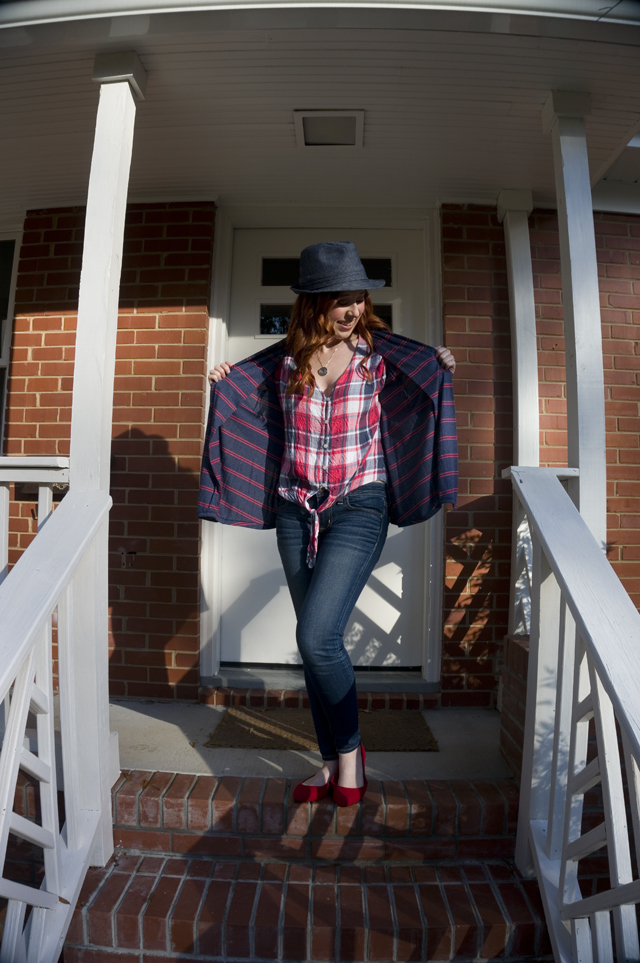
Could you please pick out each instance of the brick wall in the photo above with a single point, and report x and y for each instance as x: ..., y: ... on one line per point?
x: 158, y: 422
x: 618, y: 252
x: 478, y: 533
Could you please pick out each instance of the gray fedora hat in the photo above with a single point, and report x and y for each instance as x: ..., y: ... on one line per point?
x: 332, y: 266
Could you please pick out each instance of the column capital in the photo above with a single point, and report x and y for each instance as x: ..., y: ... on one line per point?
x: 564, y: 103
x: 112, y: 68
x: 512, y: 200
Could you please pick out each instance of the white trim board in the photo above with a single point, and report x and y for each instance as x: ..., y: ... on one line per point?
x: 25, y: 12
x: 227, y: 220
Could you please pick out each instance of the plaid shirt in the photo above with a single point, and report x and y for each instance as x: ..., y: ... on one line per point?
x: 332, y: 444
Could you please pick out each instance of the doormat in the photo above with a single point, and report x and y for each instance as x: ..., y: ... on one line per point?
x: 381, y: 731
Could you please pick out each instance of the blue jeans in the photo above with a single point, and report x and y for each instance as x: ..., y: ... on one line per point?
x: 352, y: 535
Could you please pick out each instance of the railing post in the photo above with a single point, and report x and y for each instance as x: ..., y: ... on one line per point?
x: 84, y: 699
x: 514, y: 207
x: 563, y: 115
x: 4, y: 530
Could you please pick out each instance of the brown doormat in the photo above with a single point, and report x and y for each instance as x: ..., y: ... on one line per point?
x: 382, y: 731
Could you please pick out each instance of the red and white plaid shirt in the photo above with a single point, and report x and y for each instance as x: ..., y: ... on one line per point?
x: 332, y: 444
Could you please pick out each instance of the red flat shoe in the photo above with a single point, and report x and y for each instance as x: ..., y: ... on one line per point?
x: 304, y: 793
x: 342, y: 795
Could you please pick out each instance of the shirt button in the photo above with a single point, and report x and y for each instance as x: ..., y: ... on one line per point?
x: 326, y: 444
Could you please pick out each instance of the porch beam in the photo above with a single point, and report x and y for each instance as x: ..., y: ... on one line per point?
x: 563, y: 115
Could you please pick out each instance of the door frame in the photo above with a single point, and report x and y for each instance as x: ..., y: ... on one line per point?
x: 228, y: 219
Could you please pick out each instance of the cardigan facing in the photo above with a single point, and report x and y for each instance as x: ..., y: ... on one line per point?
x: 244, y: 439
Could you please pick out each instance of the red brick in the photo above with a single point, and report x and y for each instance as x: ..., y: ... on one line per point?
x: 397, y: 808
x: 150, y: 799
x: 438, y: 928
x: 223, y: 804
x: 465, y: 941
x: 409, y: 920
x: 155, y: 919
x: 420, y: 807
x: 266, y: 920
x: 127, y: 797
x: 199, y: 803
x: 101, y: 917
x: 238, y: 919
x: 211, y: 918
x: 324, y: 922
x: 174, y: 802
x: 372, y: 810
x: 352, y: 929
x: 381, y: 928
x: 296, y: 918
x: 128, y: 914
x: 273, y: 806
x: 248, y: 805
x: 494, y: 925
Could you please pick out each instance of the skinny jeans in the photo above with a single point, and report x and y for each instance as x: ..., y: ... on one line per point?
x: 352, y: 535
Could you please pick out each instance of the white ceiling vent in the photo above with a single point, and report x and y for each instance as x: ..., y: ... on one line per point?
x: 329, y: 128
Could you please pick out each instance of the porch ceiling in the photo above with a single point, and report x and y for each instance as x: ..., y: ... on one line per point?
x: 452, y: 105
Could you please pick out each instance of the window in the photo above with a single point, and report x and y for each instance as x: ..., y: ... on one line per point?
x: 7, y: 257
x: 282, y: 272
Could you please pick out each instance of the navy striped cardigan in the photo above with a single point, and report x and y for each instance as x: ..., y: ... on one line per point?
x: 245, y: 437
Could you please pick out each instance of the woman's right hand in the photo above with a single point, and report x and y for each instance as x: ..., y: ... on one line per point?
x: 219, y: 372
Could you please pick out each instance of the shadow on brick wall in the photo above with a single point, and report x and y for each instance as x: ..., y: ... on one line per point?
x: 154, y: 545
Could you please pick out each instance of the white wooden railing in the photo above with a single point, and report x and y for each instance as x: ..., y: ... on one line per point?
x: 584, y: 664
x: 63, y: 573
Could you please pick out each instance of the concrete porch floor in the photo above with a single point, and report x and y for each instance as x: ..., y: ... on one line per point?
x: 170, y: 737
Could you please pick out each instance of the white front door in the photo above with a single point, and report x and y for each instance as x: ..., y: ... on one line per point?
x: 257, y: 618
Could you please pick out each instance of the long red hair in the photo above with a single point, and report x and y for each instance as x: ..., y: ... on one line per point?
x: 310, y: 329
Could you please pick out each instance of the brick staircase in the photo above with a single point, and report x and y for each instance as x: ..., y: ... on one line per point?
x: 211, y: 868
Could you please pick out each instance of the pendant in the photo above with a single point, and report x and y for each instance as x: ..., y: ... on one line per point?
x: 322, y: 371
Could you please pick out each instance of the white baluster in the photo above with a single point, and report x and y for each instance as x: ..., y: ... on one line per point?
x: 537, y: 753
x: 615, y: 817
x: 45, y: 504
x: 562, y: 736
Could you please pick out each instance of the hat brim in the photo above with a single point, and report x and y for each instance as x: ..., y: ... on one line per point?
x: 340, y: 284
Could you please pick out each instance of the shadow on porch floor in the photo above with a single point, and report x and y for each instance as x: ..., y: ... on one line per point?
x: 170, y: 737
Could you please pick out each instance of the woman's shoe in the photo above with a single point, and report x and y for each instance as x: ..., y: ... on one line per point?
x: 342, y: 795
x: 304, y: 793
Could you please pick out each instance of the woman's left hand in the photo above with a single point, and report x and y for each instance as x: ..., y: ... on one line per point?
x: 446, y: 359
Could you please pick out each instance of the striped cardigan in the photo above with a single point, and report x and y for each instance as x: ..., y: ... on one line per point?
x: 245, y: 437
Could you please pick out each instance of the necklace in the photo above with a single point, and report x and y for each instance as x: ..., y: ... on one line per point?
x: 324, y: 369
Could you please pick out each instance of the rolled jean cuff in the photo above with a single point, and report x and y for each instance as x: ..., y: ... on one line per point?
x: 352, y: 744
x: 331, y: 758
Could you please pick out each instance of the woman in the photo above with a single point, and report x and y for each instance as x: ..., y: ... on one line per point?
x: 322, y: 434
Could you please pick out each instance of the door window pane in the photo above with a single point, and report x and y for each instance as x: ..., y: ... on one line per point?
x: 280, y: 271
x: 274, y: 318
x: 385, y: 313
x: 284, y: 271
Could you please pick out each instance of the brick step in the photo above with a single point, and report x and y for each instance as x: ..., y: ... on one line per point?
x: 298, y: 699
x: 143, y: 909
x: 256, y: 818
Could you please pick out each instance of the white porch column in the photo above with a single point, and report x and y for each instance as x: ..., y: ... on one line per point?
x: 84, y: 698
x: 563, y: 115
x: 514, y: 207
